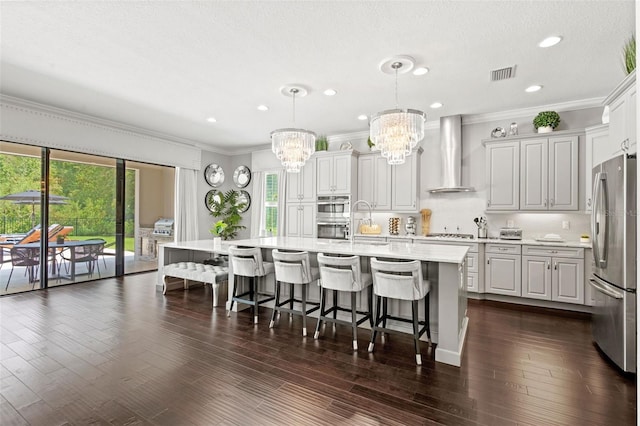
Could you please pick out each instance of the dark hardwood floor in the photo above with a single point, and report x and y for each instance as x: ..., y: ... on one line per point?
x: 116, y: 351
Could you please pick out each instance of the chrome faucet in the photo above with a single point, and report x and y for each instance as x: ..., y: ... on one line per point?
x: 353, y: 208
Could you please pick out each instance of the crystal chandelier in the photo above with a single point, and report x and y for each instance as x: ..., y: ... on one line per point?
x: 293, y: 147
x: 396, y: 132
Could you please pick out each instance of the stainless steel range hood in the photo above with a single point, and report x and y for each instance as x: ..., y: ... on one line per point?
x: 451, y: 155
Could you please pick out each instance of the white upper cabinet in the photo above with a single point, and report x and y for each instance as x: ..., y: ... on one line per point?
x: 301, y: 187
x: 374, y: 182
x: 534, y: 163
x: 596, y: 145
x: 336, y: 173
x: 405, y: 181
x: 563, y: 173
x: 622, y: 117
x: 503, y: 175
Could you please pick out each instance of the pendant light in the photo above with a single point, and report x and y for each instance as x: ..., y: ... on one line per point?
x: 396, y: 132
x: 293, y: 147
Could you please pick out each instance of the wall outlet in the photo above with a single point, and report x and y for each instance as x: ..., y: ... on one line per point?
x: 565, y: 224
x: 509, y: 224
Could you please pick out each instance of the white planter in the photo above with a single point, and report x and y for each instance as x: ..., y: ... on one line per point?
x: 217, y: 242
x: 545, y: 129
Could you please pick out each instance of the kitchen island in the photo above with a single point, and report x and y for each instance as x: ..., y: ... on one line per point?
x: 446, y: 266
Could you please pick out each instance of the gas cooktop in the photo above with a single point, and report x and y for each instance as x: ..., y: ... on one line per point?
x: 447, y: 236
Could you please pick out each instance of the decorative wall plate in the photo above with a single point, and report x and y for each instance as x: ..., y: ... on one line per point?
x: 214, y: 175
x: 242, y: 176
x: 211, y: 197
x: 244, y: 198
x: 498, y: 132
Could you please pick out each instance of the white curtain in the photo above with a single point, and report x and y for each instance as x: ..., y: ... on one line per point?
x: 282, y: 182
x: 186, y: 214
x: 258, y: 199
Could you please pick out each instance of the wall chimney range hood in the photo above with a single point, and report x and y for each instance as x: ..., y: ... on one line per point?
x: 451, y: 156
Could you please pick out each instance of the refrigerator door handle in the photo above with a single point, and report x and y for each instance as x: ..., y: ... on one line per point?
x: 600, y: 185
x: 605, y: 289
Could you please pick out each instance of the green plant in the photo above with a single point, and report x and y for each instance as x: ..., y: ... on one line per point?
x: 370, y: 143
x: 225, y: 207
x: 629, y: 54
x: 546, y: 118
x: 321, y: 143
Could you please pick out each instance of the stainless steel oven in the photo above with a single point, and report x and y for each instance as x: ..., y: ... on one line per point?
x: 332, y: 216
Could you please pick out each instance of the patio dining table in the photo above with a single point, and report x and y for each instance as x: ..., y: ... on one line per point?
x: 53, y: 246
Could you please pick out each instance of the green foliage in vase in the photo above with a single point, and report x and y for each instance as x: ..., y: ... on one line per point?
x: 629, y: 54
x: 546, y: 118
x: 370, y: 143
x: 321, y: 143
x: 225, y: 208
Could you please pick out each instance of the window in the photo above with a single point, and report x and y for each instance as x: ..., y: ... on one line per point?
x: 270, y: 213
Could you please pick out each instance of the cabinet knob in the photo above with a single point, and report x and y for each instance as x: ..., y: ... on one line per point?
x: 548, y: 265
x: 589, y: 202
x: 555, y: 266
x: 544, y: 203
x: 551, y: 203
x: 488, y: 260
x: 488, y: 203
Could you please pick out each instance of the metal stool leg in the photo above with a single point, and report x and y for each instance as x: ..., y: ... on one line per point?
x: 375, y: 324
x: 292, y: 293
x: 416, y: 330
x: 253, y: 295
x: 335, y: 304
x: 275, y: 306
x: 354, y: 320
x: 426, y: 317
x: 370, y: 305
x: 322, y: 307
x: 233, y: 294
x: 303, y: 290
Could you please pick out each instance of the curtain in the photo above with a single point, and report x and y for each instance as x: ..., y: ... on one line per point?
x: 282, y: 179
x: 186, y: 214
x: 258, y: 199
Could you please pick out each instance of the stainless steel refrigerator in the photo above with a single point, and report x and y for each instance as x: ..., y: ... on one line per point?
x: 613, y: 230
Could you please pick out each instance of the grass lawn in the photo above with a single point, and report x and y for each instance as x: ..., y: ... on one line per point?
x: 129, y: 242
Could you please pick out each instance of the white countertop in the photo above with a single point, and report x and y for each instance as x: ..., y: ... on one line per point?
x: 396, y: 250
x: 421, y: 238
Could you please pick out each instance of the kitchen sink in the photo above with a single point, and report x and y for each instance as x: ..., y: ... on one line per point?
x: 369, y: 243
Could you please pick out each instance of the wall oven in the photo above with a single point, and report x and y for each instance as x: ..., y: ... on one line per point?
x: 332, y: 216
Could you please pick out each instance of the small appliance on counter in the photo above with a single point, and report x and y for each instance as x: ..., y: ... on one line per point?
x: 163, y: 227
x: 510, y: 234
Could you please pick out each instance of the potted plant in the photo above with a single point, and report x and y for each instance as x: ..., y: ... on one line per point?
x: 370, y: 144
x: 546, y: 121
x: 629, y: 54
x: 321, y: 143
x: 226, y: 208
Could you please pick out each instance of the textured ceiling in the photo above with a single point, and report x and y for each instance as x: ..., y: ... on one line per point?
x: 167, y: 66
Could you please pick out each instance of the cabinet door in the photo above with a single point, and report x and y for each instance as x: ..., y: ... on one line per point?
x: 596, y: 147
x: 382, y: 189
x: 503, y: 171
x: 324, y: 173
x: 617, y: 125
x: 567, y: 280
x: 293, y: 220
x: 632, y: 143
x: 472, y: 282
x: 366, y: 173
x: 534, y: 164
x: 307, y: 219
x: 405, y: 185
x: 563, y: 173
x: 503, y: 274
x: 536, y: 277
x: 293, y: 187
x: 342, y: 174
x: 307, y: 181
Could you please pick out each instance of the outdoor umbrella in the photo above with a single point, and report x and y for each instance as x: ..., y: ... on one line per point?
x: 32, y: 197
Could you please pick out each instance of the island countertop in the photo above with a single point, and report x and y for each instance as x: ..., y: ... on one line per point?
x: 396, y: 250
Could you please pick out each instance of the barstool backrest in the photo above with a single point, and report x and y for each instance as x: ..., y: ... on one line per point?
x: 398, y: 280
x: 247, y: 262
x: 292, y: 267
x: 342, y: 273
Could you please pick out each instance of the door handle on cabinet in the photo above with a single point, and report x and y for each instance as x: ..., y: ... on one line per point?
x: 555, y: 266
x: 488, y: 260
x: 544, y: 203
x: 551, y: 203
x: 548, y: 265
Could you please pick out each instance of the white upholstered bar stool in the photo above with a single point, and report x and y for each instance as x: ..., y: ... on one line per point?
x: 293, y: 268
x: 343, y: 274
x: 246, y: 262
x: 404, y: 281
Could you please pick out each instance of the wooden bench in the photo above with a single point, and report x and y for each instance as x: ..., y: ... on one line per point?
x: 191, y: 271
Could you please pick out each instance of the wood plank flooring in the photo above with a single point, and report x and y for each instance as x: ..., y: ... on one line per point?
x: 115, y: 351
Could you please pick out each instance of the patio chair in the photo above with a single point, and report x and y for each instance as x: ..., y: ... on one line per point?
x: 88, y: 254
x: 28, y: 257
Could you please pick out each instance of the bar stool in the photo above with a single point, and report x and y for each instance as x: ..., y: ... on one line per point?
x: 343, y: 274
x: 293, y: 268
x: 246, y: 262
x: 400, y: 280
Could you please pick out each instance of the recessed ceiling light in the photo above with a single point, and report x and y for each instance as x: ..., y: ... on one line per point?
x: 420, y: 71
x: 362, y: 117
x: 263, y: 108
x: 330, y: 92
x: 550, y: 41
x: 211, y: 120
x: 436, y: 105
x: 533, y: 88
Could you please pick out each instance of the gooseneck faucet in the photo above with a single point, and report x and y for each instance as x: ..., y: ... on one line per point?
x: 353, y: 208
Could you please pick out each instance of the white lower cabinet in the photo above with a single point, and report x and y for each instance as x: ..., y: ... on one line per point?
x: 503, y: 269
x: 474, y: 262
x: 553, y: 273
x: 301, y: 220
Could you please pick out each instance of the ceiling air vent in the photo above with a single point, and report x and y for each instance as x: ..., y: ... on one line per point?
x: 503, y: 73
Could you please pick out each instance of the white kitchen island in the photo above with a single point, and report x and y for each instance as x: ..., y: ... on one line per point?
x: 446, y: 266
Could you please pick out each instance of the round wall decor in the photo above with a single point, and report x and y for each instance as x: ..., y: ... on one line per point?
x: 242, y: 176
x: 214, y: 175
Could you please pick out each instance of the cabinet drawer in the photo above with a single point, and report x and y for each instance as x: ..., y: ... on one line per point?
x: 553, y: 251
x: 472, y: 282
x: 472, y: 262
x: 503, y: 248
